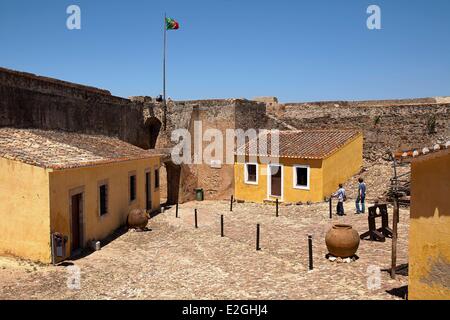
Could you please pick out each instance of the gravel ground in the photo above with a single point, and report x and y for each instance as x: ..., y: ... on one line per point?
x: 176, y: 261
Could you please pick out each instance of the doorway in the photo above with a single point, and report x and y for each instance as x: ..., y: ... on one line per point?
x: 171, y: 182
x: 76, y: 213
x: 276, y: 181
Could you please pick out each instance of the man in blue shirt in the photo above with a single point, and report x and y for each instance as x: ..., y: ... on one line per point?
x: 361, y: 197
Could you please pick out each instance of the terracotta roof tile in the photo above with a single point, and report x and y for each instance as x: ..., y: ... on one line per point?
x: 60, y: 150
x: 306, y: 144
x: 407, y: 155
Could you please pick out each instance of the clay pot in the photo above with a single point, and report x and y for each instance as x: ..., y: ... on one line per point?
x: 342, y: 240
x: 137, y: 218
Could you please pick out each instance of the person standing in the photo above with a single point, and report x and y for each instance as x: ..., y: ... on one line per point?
x: 361, y: 198
x: 340, y: 194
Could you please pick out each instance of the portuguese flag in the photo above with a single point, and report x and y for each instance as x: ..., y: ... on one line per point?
x: 171, y: 24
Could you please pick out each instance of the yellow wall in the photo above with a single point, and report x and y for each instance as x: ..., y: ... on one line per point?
x: 35, y: 202
x: 429, y: 233
x: 24, y: 211
x: 325, y: 175
x: 315, y: 192
x: 342, y: 165
x: 250, y: 192
x: 259, y: 192
x: 98, y: 227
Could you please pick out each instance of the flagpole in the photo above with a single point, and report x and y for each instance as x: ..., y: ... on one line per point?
x: 164, y: 75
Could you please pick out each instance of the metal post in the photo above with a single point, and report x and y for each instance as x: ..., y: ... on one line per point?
x: 52, y: 245
x: 231, y: 203
x: 196, y: 224
x: 311, y: 266
x: 331, y: 207
x: 276, y: 204
x: 394, y: 222
x: 221, y: 226
x: 394, y: 237
x: 176, y: 210
x: 257, y: 237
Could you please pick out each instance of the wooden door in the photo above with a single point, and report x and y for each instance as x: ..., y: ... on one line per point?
x: 76, y: 224
x: 275, y: 181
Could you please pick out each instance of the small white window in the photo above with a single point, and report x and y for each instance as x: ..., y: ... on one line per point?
x: 301, y: 177
x: 251, y: 173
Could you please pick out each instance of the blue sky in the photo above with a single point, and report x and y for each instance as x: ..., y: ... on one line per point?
x: 295, y: 50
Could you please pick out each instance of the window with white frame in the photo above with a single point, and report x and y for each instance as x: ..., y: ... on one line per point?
x: 251, y: 173
x: 301, y: 177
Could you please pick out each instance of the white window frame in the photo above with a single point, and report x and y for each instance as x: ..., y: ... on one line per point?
x: 246, y: 173
x: 308, y: 176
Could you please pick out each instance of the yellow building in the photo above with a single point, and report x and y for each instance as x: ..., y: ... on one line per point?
x: 309, y: 166
x: 429, y: 231
x: 81, y: 186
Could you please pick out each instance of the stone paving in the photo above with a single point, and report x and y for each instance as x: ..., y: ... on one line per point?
x: 176, y: 261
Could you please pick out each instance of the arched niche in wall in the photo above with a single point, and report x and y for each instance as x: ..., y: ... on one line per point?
x: 153, y: 126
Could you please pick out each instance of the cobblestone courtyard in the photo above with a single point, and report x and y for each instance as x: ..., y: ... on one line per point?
x: 176, y: 261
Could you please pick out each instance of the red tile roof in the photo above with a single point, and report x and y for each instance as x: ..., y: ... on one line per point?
x: 305, y: 144
x: 61, y: 150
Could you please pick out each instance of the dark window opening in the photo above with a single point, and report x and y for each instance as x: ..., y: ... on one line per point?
x: 302, y: 177
x: 132, y: 188
x: 148, y: 191
x: 251, y: 172
x: 103, y: 199
x: 156, y: 178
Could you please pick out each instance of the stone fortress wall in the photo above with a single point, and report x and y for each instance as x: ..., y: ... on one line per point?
x: 30, y: 101
x: 386, y: 124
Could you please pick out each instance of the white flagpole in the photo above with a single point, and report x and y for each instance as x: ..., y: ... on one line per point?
x: 164, y: 74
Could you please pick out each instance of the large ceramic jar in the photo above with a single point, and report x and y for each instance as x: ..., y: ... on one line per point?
x: 137, y: 218
x: 342, y: 240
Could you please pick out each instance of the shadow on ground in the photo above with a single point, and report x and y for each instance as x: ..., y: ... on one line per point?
x: 401, y: 270
x: 401, y: 292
